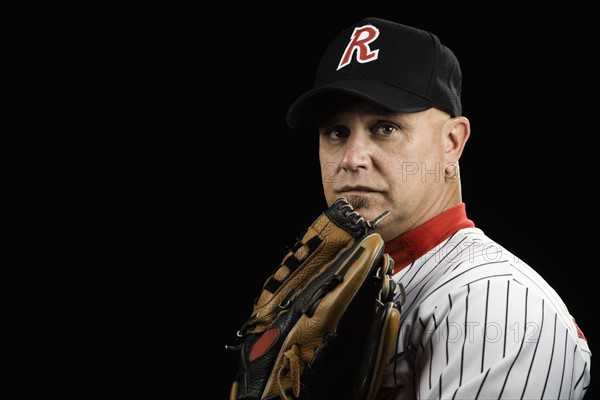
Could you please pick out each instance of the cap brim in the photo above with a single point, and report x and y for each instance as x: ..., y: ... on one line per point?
x: 305, y: 110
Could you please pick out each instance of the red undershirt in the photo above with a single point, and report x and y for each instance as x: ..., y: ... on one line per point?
x: 411, y: 245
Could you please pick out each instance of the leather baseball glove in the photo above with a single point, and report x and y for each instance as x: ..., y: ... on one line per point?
x: 325, y: 323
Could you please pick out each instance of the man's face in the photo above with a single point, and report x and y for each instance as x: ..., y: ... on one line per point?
x: 382, y: 161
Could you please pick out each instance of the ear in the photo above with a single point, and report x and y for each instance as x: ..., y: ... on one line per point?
x: 456, y: 134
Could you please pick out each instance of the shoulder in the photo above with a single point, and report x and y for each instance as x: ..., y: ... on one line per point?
x: 471, y: 299
x: 479, y: 260
x: 471, y: 272
x: 470, y: 255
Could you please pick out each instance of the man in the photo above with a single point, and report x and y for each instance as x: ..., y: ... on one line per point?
x: 477, y: 322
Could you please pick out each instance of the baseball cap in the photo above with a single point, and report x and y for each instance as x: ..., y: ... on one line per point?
x: 396, y: 66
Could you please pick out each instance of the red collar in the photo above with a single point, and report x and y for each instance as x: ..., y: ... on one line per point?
x: 411, y: 245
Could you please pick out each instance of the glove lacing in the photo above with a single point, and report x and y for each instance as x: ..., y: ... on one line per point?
x: 358, y: 220
x: 290, y: 368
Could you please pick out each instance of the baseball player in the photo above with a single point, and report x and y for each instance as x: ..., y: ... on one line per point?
x: 477, y: 322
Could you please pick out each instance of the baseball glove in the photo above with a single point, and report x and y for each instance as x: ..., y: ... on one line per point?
x: 325, y: 324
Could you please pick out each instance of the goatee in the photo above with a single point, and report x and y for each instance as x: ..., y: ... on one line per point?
x: 358, y: 202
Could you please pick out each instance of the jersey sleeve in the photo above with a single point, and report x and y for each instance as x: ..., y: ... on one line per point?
x: 495, y: 338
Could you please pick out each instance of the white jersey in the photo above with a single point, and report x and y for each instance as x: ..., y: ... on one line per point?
x: 478, y: 323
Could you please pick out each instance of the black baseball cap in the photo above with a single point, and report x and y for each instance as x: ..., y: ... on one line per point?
x: 396, y: 66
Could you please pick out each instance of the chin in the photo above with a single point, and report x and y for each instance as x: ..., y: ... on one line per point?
x: 358, y: 202
x: 364, y: 206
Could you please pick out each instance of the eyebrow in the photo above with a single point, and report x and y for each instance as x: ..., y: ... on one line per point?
x: 384, y: 112
x: 371, y: 109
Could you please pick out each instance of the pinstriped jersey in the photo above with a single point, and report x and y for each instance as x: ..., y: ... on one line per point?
x: 479, y: 323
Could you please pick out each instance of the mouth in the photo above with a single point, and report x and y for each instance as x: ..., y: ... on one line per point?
x: 356, y: 189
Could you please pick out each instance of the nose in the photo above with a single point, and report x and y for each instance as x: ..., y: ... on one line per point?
x: 356, y: 153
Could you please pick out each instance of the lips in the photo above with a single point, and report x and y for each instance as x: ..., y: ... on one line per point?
x: 357, y: 188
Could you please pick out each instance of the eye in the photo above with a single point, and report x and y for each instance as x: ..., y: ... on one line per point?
x: 335, y: 133
x: 384, y: 128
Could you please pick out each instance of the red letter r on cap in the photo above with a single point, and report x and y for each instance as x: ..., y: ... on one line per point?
x: 361, y: 38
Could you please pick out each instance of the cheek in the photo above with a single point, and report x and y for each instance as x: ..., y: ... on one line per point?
x: 394, y: 168
x: 328, y: 177
x: 328, y: 167
x: 328, y: 172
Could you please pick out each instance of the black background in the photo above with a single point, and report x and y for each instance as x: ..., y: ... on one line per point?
x: 527, y: 168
